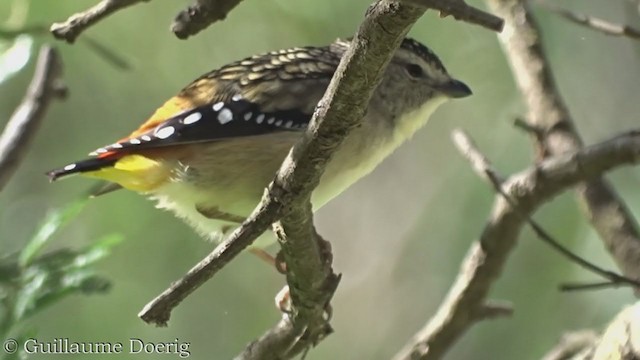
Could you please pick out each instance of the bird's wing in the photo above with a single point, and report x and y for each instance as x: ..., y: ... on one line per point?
x: 272, y: 92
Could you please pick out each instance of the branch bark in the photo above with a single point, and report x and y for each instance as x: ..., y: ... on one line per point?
x: 461, y: 11
x: 603, y: 26
x: 200, y: 15
x: 16, y: 138
x: 77, y: 23
x: 483, y: 264
x: 190, y: 21
x: 556, y: 134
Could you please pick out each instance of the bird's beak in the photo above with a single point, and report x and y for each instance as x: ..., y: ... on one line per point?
x: 454, y: 89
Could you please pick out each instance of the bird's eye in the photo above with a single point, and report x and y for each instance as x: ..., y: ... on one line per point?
x: 414, y: 70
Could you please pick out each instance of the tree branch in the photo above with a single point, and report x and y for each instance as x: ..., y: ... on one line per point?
x: 483, y: 264
x: 461, y: 11
x: 200, y: 15
x: 26, y: 119
x: 79, y: 22
x: 603, y: 26
x: 547, y: 112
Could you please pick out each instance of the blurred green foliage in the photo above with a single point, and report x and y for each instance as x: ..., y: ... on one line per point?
x: 398, y: 235
x: 31, y: 280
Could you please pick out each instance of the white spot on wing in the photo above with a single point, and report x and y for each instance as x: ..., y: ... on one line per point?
x: 260, y: 118
x: 117, y: 146
x: 236, y: 97
x: 248, y: 116
x: 101, y: 151
x: 145, y: 137
x: 279, y: 122
x: 165, y: 132
x: 225, y: 116
x: 288, y: 124
x: 270, y: 120
x: 135, y: 141
x: 217, y: 106
x: 195, y: 117
x: 70, y: 167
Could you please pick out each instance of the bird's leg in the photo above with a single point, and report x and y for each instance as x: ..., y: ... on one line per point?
x: 215, y: 213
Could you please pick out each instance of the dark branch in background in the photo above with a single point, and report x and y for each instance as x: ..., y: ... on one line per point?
x: 483, y: 264
x: 79, y: 22
x: 200, y: 15
x: 26, y: 119
x: 109, y: 55
x: 11, y: 33
x: 547, y: 112
x: 594, y: 23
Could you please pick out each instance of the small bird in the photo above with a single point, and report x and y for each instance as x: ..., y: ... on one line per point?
x: 208, y: 153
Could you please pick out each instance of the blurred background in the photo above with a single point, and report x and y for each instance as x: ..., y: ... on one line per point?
x: 398, y: 235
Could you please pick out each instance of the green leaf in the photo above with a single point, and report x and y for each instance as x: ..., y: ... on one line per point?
x: 80, y: 282
x: 28, y: 295
x: 97, y: 251
x: 56, y: 275
x: 54, y: 221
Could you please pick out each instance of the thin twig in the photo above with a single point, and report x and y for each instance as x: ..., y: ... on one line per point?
x: 483, y: 264
x: 79, y: 22
x: 200, y: 15
x: 604, y: 209
x: 111, y: 56
x: 461, y: 11
x: 594, y: 23
x: 588, y: 286
x: 10, y: 33
x: 26, y: 119
x: 483, y: 168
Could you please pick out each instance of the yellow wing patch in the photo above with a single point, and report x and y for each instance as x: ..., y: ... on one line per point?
x: 200, y: 92
x: 134, y: 172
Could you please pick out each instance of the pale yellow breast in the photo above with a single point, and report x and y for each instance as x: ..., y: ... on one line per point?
x: 231, y: 175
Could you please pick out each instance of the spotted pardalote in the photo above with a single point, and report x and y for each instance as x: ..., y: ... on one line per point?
x: 208, y: 153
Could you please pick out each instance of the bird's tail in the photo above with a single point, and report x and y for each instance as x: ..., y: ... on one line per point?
x: 133, y: 171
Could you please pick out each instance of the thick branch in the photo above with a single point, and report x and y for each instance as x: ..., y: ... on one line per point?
x: 483, y: 264
x: 200, y: 15
x: 26, y: 119
x: 79, y: 22
x: 547, y: 112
